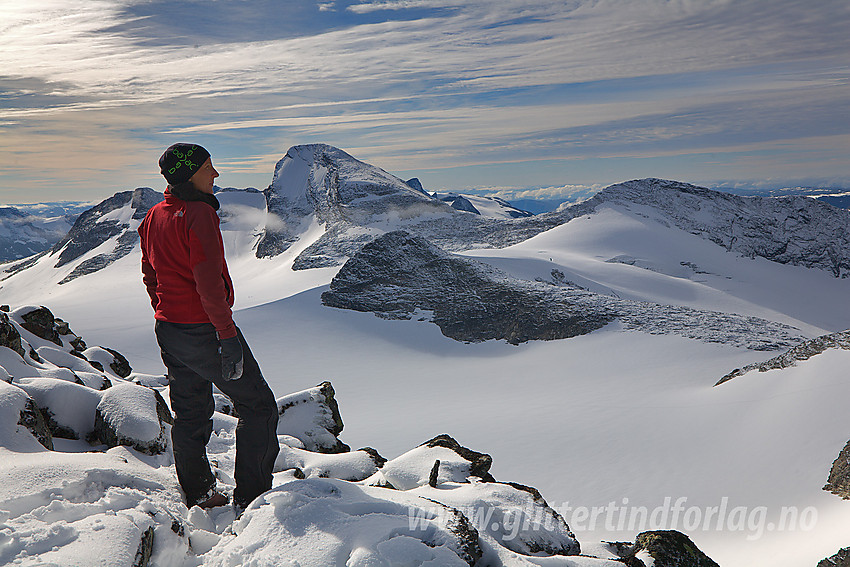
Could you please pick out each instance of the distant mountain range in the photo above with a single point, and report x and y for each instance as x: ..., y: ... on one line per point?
x: 29, y: 229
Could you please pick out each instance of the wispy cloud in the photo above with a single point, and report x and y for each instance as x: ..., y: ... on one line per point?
x: 429, y: 84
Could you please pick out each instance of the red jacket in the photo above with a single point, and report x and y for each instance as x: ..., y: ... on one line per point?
x: 183, y: 265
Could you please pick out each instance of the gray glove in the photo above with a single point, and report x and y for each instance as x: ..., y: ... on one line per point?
x: 231, y: 358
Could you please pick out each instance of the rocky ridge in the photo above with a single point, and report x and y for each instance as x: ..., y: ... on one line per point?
x: 800, y: 231
x: 803, y: 351
x: 402, y: 276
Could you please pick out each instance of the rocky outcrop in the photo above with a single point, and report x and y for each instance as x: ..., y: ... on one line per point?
x: 401, y: 276
x: 840, y: 559
x: 9, y: 335
x: 795, y: 354
x: 313, y: 417
x: 839, y: 475
x: 41, y: 323
x: 34, y: 421
x: 666, y: 548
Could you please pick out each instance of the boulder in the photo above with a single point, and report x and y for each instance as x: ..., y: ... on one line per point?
x: 18, y: 409
x: 68, y: 408
x: 417, y: 468
x: 312, y: 416
x: 41, y: 323
x: 130, y: 415
x: 670, y: 548
x: 9, y: 335
x: 839, y: 475
x: 107, y: 358
x: 513, y: 515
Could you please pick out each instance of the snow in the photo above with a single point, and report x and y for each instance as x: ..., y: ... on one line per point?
x: 71, y: 405
x: 614, y: 420
x: 131, y: 411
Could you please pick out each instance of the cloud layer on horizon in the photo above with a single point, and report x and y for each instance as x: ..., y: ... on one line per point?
x: 532, y: 94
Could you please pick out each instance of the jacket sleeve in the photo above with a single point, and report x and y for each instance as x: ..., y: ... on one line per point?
x: 206, y: 259
x: 148, y: 273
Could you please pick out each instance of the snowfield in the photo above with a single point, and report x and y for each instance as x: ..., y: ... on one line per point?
x: 620, y: 431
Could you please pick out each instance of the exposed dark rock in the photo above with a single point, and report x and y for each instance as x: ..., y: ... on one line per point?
x: 839, y: 475
x: 800, y: 352
x: 78, y: 344
x: 376, y: 457
x: 143, y: 555
x: 670, y: 548
x: 41, y: 323
x: 56, y: 430
x: 32, y: 419
x: 840, y: 559
x: 126, y: 243
x: 461, y: 203
x: 416, y: 184
x: 9, y: 335
x: 466, y: 543
x: 398, y: 275
x: 479, y: 463
x: 120, y: 365
x: 435, y: 471
x: 162, y: 410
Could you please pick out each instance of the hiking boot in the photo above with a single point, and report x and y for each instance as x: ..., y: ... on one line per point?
x: 215, y: 500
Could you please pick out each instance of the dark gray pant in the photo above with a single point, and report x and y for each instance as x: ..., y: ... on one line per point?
x: 190, y: 352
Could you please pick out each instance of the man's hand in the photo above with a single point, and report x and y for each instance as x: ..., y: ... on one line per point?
x: 231, y: 358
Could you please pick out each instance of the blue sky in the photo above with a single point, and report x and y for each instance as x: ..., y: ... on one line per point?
x: 517, y: 98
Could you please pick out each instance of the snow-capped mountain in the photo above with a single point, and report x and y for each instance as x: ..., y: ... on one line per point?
x: 614, y: 427
x: 29, y: 229
x: 802, y: 231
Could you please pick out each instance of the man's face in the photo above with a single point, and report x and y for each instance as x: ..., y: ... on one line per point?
x: 204, y: 177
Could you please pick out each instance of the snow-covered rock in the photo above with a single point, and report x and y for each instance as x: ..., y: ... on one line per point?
x: 312, y: 416
x: 666, y: 548
x: 22, y: 427
x: 132, y: 415
x: 402, y: 276
x: 355, y: 202
x: 352, y: 466
x: 69, y: 408
x: 438, y: 460
x: 332, y: 522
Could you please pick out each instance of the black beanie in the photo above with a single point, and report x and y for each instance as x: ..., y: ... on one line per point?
x: 181, y: 161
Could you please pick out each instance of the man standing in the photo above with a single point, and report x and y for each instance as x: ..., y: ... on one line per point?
x: 186, y: 276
